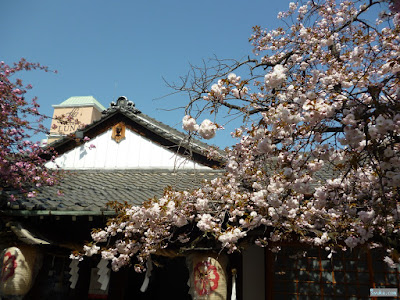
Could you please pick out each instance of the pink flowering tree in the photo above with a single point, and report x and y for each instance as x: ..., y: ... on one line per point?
x: 321, y: 164
x: 21, y: 159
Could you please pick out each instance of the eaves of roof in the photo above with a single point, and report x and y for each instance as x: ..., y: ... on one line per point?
x: 87, y: 192
x: 37, y: 213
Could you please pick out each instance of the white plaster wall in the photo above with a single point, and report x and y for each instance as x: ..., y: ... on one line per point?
x: 134, y: 151
x: 254, y: 273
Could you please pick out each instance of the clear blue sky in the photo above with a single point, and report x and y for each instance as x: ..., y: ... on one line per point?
x: 113, y: 48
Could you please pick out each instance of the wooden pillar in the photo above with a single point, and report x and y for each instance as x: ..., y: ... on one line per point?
x: 269, y: 274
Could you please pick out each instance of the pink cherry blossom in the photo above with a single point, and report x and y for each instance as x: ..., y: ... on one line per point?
x: 21, y: 160
x: 319, y: 164
x: 189, y: 124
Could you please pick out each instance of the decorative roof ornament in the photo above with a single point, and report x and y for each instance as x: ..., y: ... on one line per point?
x: 122, y: 104
x: 118, y: 132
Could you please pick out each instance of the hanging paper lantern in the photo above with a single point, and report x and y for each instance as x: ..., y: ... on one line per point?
x: 17, y: 270
x: 207, y: 277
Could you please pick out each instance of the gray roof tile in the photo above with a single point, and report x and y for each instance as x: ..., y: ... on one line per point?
x: 90, y: 190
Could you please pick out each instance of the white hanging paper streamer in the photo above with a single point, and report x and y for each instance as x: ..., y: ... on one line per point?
x: 149, y: 266
x: 74, y: 273
x: 51, y: 271
x: 190, y: 283
x: 104, y: 273
x: 233, y: 294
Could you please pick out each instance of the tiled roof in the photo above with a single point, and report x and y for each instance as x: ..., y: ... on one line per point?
x: 89, y: 191
x: 81, y: 101
x: 328, y: 171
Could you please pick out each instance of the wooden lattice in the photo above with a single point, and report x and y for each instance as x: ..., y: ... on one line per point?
x: 297, y: 274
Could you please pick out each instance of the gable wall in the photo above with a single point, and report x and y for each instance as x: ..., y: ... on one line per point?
x: 134, y: 151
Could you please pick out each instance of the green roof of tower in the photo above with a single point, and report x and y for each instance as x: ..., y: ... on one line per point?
x: 77, y: 101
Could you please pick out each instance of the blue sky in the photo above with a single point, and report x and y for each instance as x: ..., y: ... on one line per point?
x: 113, y: 48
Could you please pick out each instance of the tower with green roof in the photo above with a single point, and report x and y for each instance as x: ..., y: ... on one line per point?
x: 84, y: 109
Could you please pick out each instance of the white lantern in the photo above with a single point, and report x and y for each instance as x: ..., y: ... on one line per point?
x: 207, y: 276
x: 17, y: 270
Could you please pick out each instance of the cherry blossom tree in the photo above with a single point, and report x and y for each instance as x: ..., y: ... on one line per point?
x: 321, y: 164
x: 21, y: 159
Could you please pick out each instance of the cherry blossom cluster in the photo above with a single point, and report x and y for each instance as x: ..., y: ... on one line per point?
x: 231, y: 86
x: 321, y: 165
x: 206, y: 129
x: 21, y: 160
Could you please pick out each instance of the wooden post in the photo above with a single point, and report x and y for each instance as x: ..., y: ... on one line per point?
x: 269, y: 274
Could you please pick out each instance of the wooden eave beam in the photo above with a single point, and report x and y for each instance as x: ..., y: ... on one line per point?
x: 31, y: 213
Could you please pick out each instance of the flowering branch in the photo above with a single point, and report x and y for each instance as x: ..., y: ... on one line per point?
x: 21, y: 160
x: 322, y: 166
